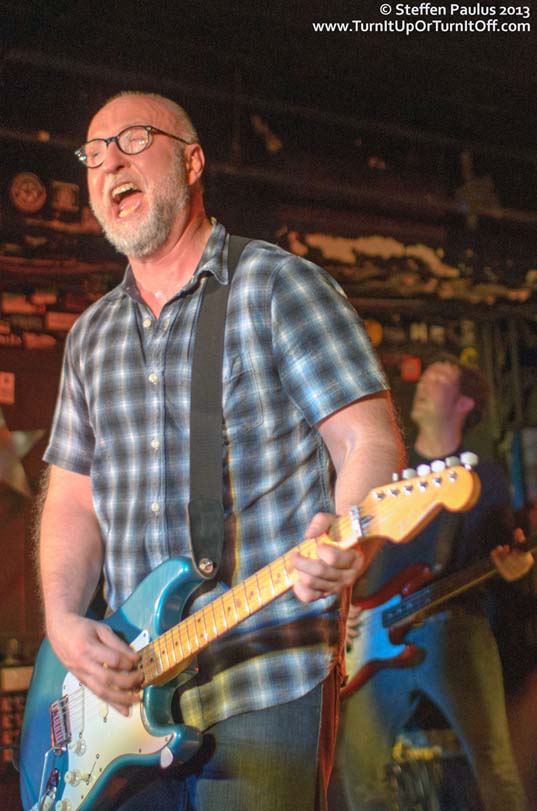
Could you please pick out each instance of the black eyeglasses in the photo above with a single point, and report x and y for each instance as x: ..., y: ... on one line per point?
x: 130, y: 141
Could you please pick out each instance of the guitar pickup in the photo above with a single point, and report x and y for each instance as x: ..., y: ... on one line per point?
x: 60, y: 724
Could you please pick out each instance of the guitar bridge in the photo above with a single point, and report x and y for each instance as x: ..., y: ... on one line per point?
x: 60, y: 725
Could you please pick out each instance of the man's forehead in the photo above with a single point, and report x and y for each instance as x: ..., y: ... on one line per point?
x: 442, y: 370
x: 127, y: 110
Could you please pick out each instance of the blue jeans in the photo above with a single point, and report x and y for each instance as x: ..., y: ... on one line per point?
x: 461, y: 674
x: 276, y: 759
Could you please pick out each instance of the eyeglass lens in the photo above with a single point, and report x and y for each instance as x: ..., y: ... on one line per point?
x: 130, y: 141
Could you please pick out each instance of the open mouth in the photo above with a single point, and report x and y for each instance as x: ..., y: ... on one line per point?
x: 126, y: 199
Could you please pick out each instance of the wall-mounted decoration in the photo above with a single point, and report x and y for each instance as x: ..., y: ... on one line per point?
x: 27, y: 192
x: 64, y: 197
x: 374, y: 266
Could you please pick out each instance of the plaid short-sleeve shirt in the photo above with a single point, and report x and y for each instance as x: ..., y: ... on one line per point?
x: 295, y: 352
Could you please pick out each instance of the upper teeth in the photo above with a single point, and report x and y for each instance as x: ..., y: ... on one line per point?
x: 122, y: 189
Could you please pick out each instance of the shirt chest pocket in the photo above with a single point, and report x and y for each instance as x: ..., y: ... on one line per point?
x: 243, y: 402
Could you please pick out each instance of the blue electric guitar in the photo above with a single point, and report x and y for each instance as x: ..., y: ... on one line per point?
x: 74, y: 745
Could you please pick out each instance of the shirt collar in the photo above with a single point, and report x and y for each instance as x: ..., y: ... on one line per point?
x: 213, y: 260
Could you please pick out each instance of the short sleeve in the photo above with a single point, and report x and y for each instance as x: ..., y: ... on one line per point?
x: 72, y: 442
x: 324, y: 355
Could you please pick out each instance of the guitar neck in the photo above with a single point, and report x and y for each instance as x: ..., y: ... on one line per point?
x: 440, y: 591
x: 165, y: 654
x: 395, y: 511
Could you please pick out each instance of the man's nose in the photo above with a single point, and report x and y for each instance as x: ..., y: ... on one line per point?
x: 114, y: 158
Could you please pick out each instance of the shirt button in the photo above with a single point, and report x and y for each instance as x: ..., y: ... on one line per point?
x: 153, y: 378
x: 155, y: 444
x: 155, y: 507
x: 147, y: 323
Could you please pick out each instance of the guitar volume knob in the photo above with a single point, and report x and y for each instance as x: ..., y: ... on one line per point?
x: 72, y: 777
x: 78, y: 747
x: 63, y: 805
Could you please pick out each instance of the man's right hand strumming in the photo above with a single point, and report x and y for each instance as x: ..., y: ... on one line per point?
x: 93, y: 653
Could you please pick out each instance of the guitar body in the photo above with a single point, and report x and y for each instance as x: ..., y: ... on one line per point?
x: 377, y: 646
x: 102, y: 741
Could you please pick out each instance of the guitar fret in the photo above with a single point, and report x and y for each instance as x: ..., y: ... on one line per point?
x: 263, y: 588
x: 158, y: 659
x: 268, y: 590
x: 220, y: 615
x: 340, y: 528
x: 241, y: 601
x: 186, y: 638
x: 163, y: 653
x: 253, y: 594
x: 210, y: 630
x: 201, y: 628
x: 287, y: 571
x: 177, y: 644
x: 167, y: 639
x: 152, y: 664
x: 212, y: 606
x: 229, y: 606
x: 191, y: 629
x: 279, y: 577
x: 309, y: 548
x: 236, y: 606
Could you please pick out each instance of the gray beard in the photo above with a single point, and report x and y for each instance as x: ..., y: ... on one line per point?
x: 148, y: 236
x: 151, y: 234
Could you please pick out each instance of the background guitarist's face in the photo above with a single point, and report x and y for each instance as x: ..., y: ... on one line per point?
x: 438, y: 399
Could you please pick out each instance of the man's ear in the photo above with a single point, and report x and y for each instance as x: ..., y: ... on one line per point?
x: 465, y: 404
x: 194, y: 164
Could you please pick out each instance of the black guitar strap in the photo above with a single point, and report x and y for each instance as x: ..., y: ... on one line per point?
x: 450, y: 525
x: 206, y: 509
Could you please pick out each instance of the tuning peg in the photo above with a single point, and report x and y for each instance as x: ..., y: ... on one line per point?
x: 438, y: 466
x: 395, y: 477
x: 452, y: 461
x: 469, y: 459
x: 408, y: 473
x: 423, y: 470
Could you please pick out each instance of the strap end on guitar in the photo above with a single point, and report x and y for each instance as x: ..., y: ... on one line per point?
x: 206, y: 517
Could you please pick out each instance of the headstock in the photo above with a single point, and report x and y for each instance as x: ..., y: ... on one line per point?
x: 399, y: 510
